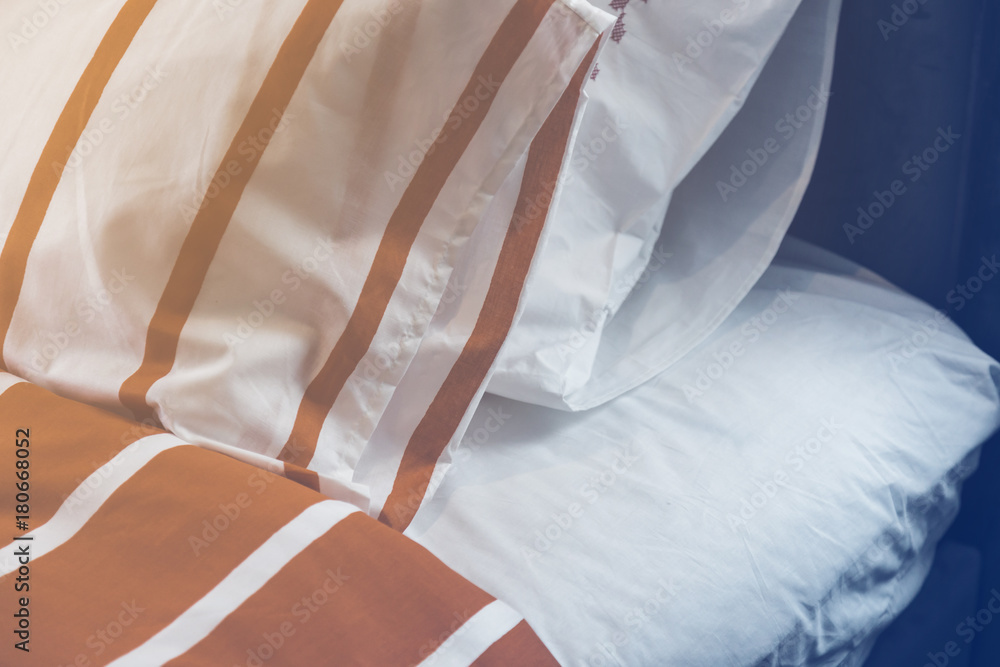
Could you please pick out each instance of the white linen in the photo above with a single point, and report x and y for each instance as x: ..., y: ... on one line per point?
x: 766, y: 500
x: 716, y: 243
x: 656, y: 107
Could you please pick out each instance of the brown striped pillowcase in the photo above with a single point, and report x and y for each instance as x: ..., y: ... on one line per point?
x: 237, y: 222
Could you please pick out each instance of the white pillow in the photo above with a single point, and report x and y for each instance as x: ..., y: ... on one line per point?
x: 672, y: 79
x: 772, y: 494
x: 716, y: 243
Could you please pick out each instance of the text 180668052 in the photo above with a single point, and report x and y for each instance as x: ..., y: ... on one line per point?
x: 22, y: 517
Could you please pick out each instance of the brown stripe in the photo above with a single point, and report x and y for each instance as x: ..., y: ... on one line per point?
x: 442, y: 419
x: 49, y: 170
x: 401, y: 232
x: 139, y: 551
x: 213, y: 218
x: 520, y: 646
x: 359, y: 595
x: 69, y: 441
x: 306, y: 478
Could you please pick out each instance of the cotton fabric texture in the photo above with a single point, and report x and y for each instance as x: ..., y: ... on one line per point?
x: 239, y: 224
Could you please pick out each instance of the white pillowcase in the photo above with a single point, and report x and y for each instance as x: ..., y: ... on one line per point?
x: 770, y: 499
x: 716, y: 243
x: 672, y: 79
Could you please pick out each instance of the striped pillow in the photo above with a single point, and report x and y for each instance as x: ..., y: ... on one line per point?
x: 238, y: 219
x: 139, y: 549
x: 426, y: 415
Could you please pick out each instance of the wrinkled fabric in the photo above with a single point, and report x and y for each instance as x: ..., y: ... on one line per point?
x: 773, y: 498
x: 238, y: 224
x: 670, y: 82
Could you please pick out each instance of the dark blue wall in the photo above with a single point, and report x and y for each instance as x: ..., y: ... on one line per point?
x: 893, y: 91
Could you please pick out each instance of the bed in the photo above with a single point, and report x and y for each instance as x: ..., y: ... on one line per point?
x: 602, y: 365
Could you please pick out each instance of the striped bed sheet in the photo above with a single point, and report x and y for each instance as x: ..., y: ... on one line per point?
x: 137, y: 548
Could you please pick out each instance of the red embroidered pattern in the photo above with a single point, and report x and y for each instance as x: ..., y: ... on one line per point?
x: 618, y: 31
